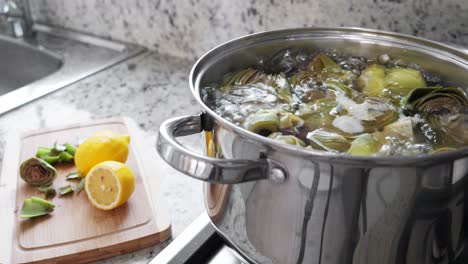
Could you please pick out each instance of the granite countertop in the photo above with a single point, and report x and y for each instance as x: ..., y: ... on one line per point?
x: 148, y: 88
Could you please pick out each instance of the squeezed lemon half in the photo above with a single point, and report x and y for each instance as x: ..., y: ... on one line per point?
x: 109, y: 184
x: 102, y: 146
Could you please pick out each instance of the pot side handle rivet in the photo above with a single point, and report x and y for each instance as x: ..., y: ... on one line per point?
x: 278, y: 175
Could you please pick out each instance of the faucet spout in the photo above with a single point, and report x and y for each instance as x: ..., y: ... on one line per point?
x: 16, y: 21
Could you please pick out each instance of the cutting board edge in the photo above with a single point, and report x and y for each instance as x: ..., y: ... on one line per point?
x: 112, y: 120
x: 94, y: 255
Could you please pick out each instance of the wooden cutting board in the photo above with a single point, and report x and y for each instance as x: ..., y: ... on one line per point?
x: 75, y: 231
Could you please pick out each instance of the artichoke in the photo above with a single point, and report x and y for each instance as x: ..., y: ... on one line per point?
x: 364, y: 145
x: 329, y: 141
x: 263, y: 120
x: 329, y: 70
x: 402, y: 129
x: 287, y: 139
x: 244, y: 77
x: 320, y: 69
x: 37, y: 172
x: 372, y: 114
x: 282, y: 87
x: 371, y: 80
x: 288, y: 120
x: 287, y: 61
x: 251, y: 76
x: 323, y: 63
x: 446, y: 111
x: 348, y: 124
x: 317, y: 114
x: 382, y: 111
x: 450, y: 130
x: 302, y: 77
x: 436, y: 101
x: 338, y: 87
x: 402, y: 80
x: 375, y: 79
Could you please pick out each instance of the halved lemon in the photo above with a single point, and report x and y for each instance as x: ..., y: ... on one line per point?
x: 109, y: 184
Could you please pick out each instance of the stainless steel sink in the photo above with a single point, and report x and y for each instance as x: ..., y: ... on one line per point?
x: 22, y: 64
x: 53, y: 59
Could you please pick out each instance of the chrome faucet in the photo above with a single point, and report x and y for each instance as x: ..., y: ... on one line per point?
x: 14, y: 20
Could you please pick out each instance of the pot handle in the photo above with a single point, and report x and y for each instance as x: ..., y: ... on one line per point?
x: 214, y: 170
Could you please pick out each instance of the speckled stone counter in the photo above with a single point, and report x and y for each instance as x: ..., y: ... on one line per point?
x: 149, y: 88
x: 190, y: 28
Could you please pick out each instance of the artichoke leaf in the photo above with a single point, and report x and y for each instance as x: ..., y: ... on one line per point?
x: 244, y: 77
x: 80, y: 186
x: 65, y: 190
x: 329, y: 141
x: 364, y: 145
x: 48, y: 190
x: 287, y: 139
x: 382, y: 111
x: 288, y: 120
x: 282, y: 87
x: 43, y: 151
x: 34, y: 207
x: 323, y: 62
x: 339, y: 87
x: 70, y: 149
x: 302, y: 77
x: 266, y: 120
x: 326, y: 68
x: 73, y: 175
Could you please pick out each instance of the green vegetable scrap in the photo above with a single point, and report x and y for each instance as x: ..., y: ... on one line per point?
x: 70, y: 149
x: 66, y: 157
x: 58, y: 153
x: 34, y: 207
x: 80, y: 186
x: 48, y: 190
x: 65, y: 190
x: 72, y: 175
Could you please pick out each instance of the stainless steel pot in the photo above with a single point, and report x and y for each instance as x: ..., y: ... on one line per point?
x: 277, y: 203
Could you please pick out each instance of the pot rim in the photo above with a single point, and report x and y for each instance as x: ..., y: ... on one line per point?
x: 447, y: 51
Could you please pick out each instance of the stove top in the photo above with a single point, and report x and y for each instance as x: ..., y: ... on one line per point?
x: 199, y: 244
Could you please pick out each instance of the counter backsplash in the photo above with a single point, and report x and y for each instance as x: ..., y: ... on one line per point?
x: 190, y: 28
